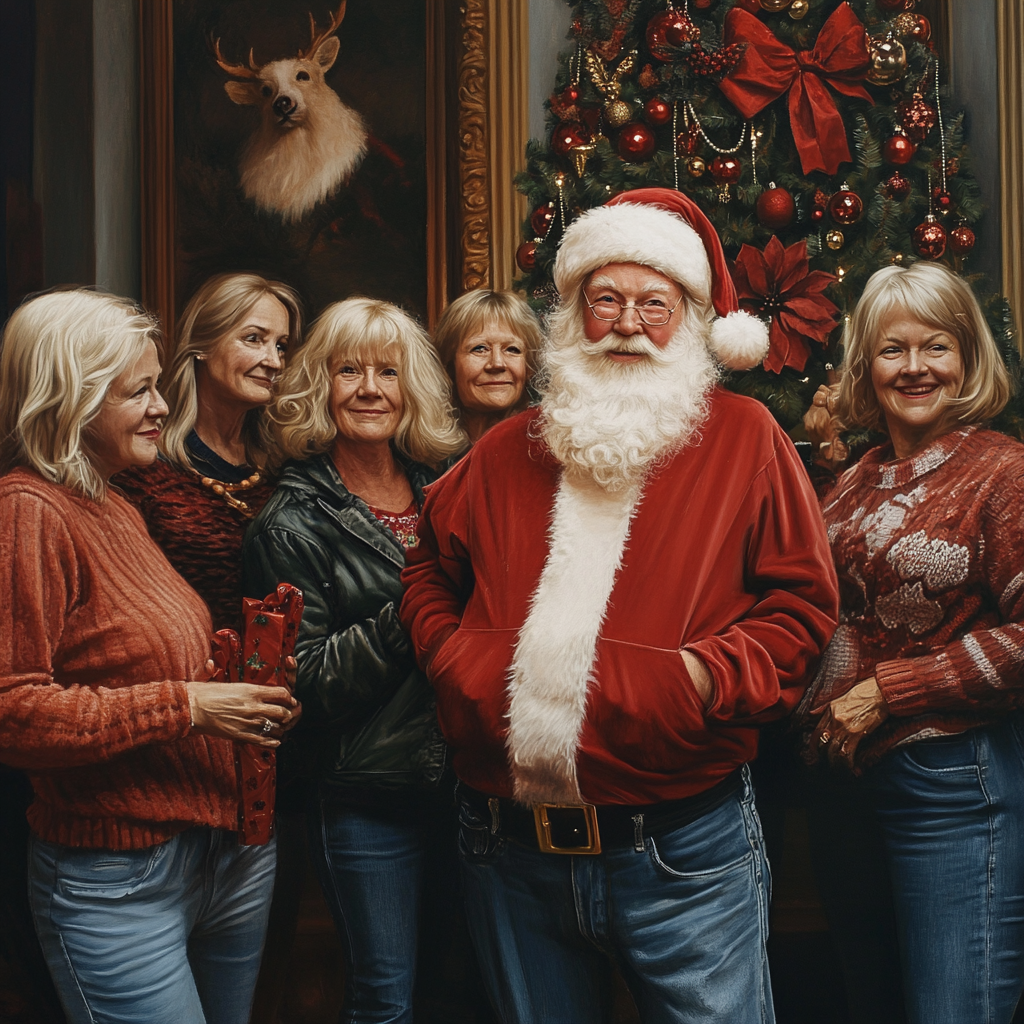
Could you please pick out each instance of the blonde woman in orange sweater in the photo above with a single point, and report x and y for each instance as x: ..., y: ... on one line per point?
x: 146, y: 906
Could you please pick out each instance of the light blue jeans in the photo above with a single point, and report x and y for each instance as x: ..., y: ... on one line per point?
x: 171, y: 934
x: 685, y: 920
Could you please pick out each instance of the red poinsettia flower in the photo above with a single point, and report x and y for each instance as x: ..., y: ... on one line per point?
x: 779, y: 283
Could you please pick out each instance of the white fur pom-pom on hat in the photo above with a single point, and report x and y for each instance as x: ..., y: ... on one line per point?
x: 667, y: 231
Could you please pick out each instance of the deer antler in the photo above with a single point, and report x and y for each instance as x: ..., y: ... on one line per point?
x: 316, y: 38
x: 238, y: 70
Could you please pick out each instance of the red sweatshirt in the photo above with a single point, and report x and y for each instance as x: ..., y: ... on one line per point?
x: 726, y: 556
x: 94, y: 618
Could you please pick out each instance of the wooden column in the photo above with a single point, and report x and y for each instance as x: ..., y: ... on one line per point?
x: 1010, y: 41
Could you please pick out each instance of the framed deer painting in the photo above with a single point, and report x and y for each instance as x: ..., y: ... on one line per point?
x: 343, y: 146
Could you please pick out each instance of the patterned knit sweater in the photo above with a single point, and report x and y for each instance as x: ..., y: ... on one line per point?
x: 929, y: 552
x: 197, y: 530
x: 93, y: 619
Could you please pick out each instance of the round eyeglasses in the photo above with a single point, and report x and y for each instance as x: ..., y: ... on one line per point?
x: 650, y: 313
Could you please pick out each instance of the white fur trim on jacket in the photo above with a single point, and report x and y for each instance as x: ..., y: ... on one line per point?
x: 739, y: 340
x: 552, y: 666
x: 632, y: 233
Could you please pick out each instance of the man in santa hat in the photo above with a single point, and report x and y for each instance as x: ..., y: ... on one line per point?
x: 611, y: 592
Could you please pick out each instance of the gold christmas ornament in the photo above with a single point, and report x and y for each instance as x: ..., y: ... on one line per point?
x: 888, y: 60
x: 617, y: 113
x: 904, y: 23
x: 696, y: 166
x: 774, y: 5
x: 579, y: 155
x: 609, y: 84
x: 834, y: 239
x: 798, y: 9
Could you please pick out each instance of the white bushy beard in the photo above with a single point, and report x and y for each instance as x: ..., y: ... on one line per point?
x: 610, y: 422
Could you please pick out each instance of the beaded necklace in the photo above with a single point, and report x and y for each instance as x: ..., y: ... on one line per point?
x: 227, y: 491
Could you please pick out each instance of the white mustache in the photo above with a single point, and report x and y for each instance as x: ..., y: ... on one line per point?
x: 635, y: 344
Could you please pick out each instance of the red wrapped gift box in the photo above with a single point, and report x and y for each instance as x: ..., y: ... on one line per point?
x: 271, y: 626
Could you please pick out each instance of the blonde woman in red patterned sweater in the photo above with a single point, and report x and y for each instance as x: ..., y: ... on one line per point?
x: 146, y: 906
x: 919, y: 689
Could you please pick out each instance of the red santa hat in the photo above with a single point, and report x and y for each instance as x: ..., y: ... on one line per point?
x: 667, y: 231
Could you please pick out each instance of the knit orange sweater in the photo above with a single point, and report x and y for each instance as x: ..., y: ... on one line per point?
x: 93, y: 618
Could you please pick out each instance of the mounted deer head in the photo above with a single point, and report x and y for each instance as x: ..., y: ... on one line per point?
x: 308, y: 142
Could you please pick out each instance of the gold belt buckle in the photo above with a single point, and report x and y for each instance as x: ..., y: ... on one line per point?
x: 559, y: 824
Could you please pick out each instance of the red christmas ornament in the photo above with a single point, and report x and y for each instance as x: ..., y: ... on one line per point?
x: 689, y: 142
x: 658, y: 29
x: 636, y: 142
x: 961, y: 240
x: 568, y: 135
x: 917, y: 117
x: 775, y: 208
x: 570, y: 95
x: 725, y: 169
x: 750, y: 6
x: 702, y: 5
x: 657, y: 111
x: 526, y: 256
x: 541, y: 218
x: 846, y: 207
x: 895, y: 5
x: 817, y: 215
x: 942, y: 201
x: 682, y: 31
x: 930, y: 239
x: 922, y: 31
x: 899, y: 150
x: 897, y: 187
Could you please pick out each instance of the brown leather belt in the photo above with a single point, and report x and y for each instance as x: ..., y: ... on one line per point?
x: 586, y: 829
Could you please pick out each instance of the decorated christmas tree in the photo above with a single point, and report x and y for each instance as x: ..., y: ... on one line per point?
x: 813, y: 133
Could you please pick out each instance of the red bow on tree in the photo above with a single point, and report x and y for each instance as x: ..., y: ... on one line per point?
x: 768, y: 68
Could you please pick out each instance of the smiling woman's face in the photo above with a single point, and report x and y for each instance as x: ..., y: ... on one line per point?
x: 490, y: 369
x: 916, y: 370
x: 125, y: 431
x: 366, y: 401
x: 244, y: 365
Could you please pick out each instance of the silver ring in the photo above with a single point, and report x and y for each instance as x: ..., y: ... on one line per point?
x: 267, y: 726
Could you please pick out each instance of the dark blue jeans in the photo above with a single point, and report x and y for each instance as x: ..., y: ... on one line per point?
x: 371, y: 866
x: 685, y: 919
x: 950, y: 818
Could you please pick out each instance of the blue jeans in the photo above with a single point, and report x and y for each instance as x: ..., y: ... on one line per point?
x: 685, y: 920
x: 171, y: 934
x: 950, y: 816
x: 371, y: 865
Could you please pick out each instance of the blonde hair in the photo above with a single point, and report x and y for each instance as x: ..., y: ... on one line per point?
x: 365, y: 331
x: 221, y: 304
x: 477, y: 309
x: 61, y: 352
x: 933, y: 295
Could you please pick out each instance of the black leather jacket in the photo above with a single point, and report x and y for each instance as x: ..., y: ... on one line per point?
x: 368, y: 714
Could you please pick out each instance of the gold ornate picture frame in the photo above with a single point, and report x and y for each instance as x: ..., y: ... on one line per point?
x: 474, y: 98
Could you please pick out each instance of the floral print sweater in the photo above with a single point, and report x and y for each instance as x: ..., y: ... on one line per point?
x: 929, y: 551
